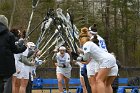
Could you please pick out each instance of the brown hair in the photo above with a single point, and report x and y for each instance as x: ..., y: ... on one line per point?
x: 83, y: 37
x: 23, y: 34
x: 84, y: 32
x: 18, y: 33
x: 95, y: 40
x: 15, y: 32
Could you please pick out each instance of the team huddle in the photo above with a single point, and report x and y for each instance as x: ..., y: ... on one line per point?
x: 92, y: 56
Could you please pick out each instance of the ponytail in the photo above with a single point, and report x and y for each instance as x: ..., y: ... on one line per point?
x: 95, y: 40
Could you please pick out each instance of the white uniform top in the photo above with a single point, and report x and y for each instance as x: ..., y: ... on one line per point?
x: 93, y: 66
x: 18, y: 64
x: 98, y: 54
x: 25, y: 53
x: 27, y: 69
x: 102, y: 44
x: 31, y: 69
x: 64, y: 60
x: 17, y: 56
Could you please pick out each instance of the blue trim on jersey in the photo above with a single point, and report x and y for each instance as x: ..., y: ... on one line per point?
x: 102, y: 44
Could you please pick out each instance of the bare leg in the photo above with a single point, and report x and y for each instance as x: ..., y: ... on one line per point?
x: 66, y: 80
x: 23, y: 85
x: 92, y: 81
x: 101, y: 77
x: 108, y: 83
x: 15, y: 84
x: 60, y: 85
x: 83, y: 85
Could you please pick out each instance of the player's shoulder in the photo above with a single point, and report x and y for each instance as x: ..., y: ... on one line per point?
x: 67, y: 54
x: 88, y: 43
x: 58, y: 53
x: 99, y: 37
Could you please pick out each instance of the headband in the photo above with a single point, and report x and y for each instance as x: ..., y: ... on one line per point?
x: 92, y: 32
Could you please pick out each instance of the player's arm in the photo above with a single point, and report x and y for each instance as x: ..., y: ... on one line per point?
x: 66, y: 64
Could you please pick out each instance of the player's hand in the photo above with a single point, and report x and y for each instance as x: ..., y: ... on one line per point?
x: 80, y: 51
x: 32, y: 63
x: 69, y: 50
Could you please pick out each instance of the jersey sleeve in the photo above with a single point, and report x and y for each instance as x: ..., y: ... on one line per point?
x: 68, y: 58
x: 86, y: 48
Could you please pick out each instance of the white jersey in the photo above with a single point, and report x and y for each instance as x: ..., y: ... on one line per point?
x: 101, y: 43
x: 17, y: 56
x: 18, y: 64
x: 25, y: 53
x: 64, y: 60
x: 93, y: 66
x: 27, y: 69
x: 97, y: 53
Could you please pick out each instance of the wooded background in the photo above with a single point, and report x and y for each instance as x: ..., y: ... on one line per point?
x: 118, y: 21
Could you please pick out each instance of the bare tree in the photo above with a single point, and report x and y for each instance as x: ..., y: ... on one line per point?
x: 12, y: 15
x: 107, y: 22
